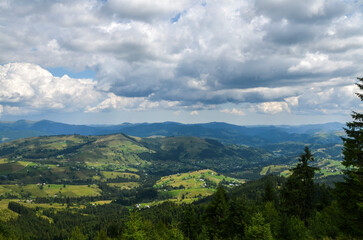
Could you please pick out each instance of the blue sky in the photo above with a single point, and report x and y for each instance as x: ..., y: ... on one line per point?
x: 240, y: 61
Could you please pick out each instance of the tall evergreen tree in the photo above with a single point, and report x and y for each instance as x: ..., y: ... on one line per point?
x: 270, y: 192
x: 350, y: 192
x: 298, y: 193
x: 216, y: 215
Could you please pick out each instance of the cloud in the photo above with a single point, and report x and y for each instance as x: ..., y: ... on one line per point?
x: 316, y: 62
x: 275, y: 55
x: 273, y: 107
x: 28, y: 87
x: 194, y: 113
x: 143, y: 10
x: 130, y: 103
x: 233, y: 111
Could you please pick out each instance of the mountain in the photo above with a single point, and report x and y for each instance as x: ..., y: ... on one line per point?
x: 53, y: 159
x: 224, y: 132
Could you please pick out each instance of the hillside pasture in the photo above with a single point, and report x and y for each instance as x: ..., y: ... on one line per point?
x: 124, y: 185
x: 114, y: 175
x: 274, y: 169
x: 192, y: 185
x: 194, y: 179
x: 49, y: 190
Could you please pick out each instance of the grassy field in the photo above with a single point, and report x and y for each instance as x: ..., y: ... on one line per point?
x: 194, y: 179
x: 5, y: 213
x: 3, y: 160
x: 274, y: 169
x: 329, y: 168
x: 50, y: 190
x: 192, y: 184
x: 114, y: 175
x: 124, y: 185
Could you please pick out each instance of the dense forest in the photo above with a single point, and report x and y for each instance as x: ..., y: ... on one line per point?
x: 273, y: 207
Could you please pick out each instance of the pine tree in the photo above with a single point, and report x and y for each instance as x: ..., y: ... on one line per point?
x: 350, y: 192
x: 270, y: 192
x: 298, y: 193
x: 77, y: 234
x: 134, y: 228
x: 216, y: 215
x: 258, y: 229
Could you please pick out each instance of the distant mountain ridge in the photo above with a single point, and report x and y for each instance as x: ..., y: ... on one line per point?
x: 224, y: 132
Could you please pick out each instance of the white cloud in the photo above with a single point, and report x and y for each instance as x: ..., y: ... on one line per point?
x: 194, y: 113
x: 292, y: 101
x: 130, y: 103
x: 27, y: 86
x: 233, y: 111
x: 316, y: 62
x: 273, y: 107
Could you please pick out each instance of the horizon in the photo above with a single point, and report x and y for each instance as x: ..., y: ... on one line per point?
x: 244, y: 62
x: 165, y: 122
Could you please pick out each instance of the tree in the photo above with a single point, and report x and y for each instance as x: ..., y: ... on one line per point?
x: 216, y: 214
x: 298, y: 193
x: 134, y: 228
x: 77, y: 234
x: 349, y: 193
x: 190, y: 221
x: 270, y: 192
x: 258, y: 229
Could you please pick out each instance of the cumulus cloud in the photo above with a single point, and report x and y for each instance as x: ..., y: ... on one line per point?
x: 276, y: 55
x: 28, y: 87
x: 194, y: 113
x: 272, y: 107
x: 233, y: 111
x: 130, y: 103
x: 316, y: 62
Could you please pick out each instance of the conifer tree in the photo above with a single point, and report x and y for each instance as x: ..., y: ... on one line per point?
x: 298, y: 193
x: 258, y: 229
x: 270, y: 192
x: 350, y: 192
x: 217, y: 215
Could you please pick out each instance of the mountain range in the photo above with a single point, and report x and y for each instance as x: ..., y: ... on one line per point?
x: 223, y: 132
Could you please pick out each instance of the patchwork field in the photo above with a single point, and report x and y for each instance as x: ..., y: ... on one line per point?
x: 193, y: 184
x: 274, y: 169
x: 124, y: 185
x: 114, y: 175
x: 327, y: 168
x: 49, y: 190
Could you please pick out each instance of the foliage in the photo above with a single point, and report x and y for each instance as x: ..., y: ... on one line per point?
x: 258, y: 229
x: 350, y: 192
x: 216, y: 215
x: 298, y: 193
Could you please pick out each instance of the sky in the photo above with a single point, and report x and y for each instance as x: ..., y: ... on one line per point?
x: 246, y: 62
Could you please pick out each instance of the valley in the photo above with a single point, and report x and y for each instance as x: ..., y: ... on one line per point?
x: 130, y: 170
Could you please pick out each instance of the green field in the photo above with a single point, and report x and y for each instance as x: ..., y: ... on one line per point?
x: 193, y: 184
x: 124, y: 185
x: 114, y: 175
x: 194, y: 179
x: 49, y: 190
x: 5, y: 213
x: 273, y: 169
x: 329, y: 168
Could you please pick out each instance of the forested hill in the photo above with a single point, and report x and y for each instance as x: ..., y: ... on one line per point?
x: 223, y: 132
x: 156, y: 156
